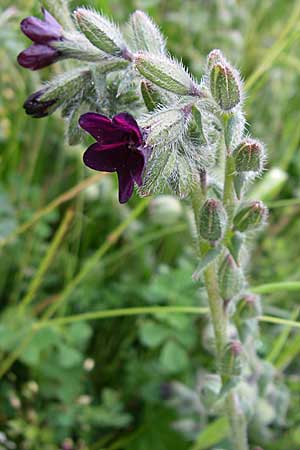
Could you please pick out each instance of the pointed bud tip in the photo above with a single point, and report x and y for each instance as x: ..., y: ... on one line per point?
x: 236, y: 347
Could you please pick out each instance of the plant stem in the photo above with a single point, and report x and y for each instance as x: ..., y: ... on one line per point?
x: 229, y: 196
x: 237, y: 422
x: 216, y: 304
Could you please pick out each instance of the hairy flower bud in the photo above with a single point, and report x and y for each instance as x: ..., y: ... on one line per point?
x: 230, y: 278
x: 249, y: 307
x: 151, y: 95
x: 225, y: 86
x: 249, y: 156
x: 166, y: 73
x: 101, y: 32
x: 231, y: 363
x: 65, y: 89
x: 251, y: 216
x: 146, y: 34
x: 212, y: 220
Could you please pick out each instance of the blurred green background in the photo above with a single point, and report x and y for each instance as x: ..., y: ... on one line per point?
x: 68, y: 248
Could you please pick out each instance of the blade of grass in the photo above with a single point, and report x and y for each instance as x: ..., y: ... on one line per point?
x: 284, y: 203
x: 212, y: 434
x: 281, y: 340
x: 95, y: 258
x: 285, y: 38
x: 66, y: 196
x: 89, y: 265
x: 290, y: 353
x: 122, y: 312
x: 48, y: 258
x: 288, y: 286
x: 279, y: 321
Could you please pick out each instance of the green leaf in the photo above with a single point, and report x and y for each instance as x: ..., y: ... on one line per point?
x: 207, y: 259
x: 173, y: 357
x: 212, y: 434
x: 68, y: 356
x: 153, y: 334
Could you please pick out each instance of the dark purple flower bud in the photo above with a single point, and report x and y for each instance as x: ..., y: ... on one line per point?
x: 119, y: 148
x: 38, y: 108
x: 42, y: 33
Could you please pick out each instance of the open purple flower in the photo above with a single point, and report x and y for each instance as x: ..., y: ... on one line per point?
x: 42, y: 32
x: 119, y: 148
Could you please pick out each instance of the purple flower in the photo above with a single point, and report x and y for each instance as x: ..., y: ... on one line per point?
x: 119, y: 148
x: 42, y: 32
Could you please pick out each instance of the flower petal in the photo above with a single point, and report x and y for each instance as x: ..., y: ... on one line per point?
x: 39, y: 31
x: 51, y: 20
x: 102, y: 129
x: 136, y: 164
x: 38, y: 56
x: 126, y: 122
x: 103, y: 160
x: 125, y: 186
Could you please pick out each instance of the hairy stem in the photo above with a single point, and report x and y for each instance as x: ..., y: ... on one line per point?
x: 217, y: 309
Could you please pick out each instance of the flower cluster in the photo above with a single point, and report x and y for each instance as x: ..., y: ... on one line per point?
x: 43, y: 33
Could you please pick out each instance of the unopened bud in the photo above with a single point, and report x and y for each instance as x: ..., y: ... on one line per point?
x: 146, y: 34
x: 212, y: 220
x: 166, y: 73
x: 151, y: 95
x: 225, y: 86
x: 231, y: 279
x: 249, y: 156
x: 101, y: 32
x: 249, y: 307
x: 65, y: 89
x: 251, y: 217
x: 231, y: 363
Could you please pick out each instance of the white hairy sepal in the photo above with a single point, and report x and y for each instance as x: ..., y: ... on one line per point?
x: 164, y: 126
x: 75, y: 45
x: 235, y: 128
x: 154, y: 97
x: 100, y: 31
x: 145, y: 35
x: 166, y: 73
x: 68, y: 88
x: 170, y: 170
